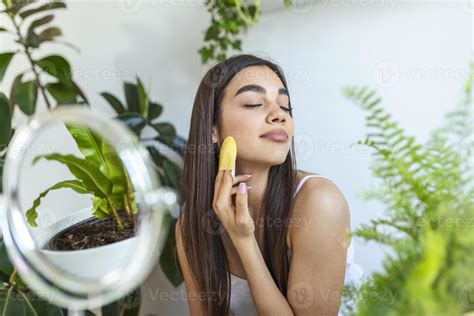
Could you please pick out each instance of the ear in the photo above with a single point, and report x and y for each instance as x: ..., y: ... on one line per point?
x: 215, y: 135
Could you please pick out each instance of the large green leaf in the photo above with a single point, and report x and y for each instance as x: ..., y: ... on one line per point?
x: 49, y: 34
x: 90, y: 146
x: 5, y: 122
x: 5, y: 59
x: 142, y: 99
x: 39, y: 22
x: 37, y: 306
x: 85, y: 170
x: 168, y: 259
x: 100, y: 207
x: 98, y: 150
x: 131, y: 95
x: 10, y: 304
x: 76, y: 185
x: 6, y: 266
x: 114, y: 102
x: 63, y: 93
x: 48, y: 6
x: 116, y: 169
x: 57, y: 66
x: 154, y: 110
x: 26, y: 94
x: 32, y: 40
x: 166, y: 131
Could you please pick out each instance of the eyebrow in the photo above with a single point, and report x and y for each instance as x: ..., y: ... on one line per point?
x: 259, y: 89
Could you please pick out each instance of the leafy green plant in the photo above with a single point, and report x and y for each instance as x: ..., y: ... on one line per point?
x: 428, y: 193
x: 229, y: 18
x: 140, y: 113
x: 100, y: 173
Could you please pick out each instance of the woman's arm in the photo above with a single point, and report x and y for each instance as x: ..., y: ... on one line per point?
x: 195, y: 307
x: 318, y: 259
x: 319, y: 253
x: 265, y: 293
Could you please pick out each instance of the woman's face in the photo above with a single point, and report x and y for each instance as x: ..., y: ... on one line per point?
x: 259, y: 86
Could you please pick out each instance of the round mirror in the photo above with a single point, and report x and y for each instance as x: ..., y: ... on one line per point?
x: 83, y: 217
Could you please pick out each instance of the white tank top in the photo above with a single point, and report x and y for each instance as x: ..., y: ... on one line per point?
x: 241, y: 301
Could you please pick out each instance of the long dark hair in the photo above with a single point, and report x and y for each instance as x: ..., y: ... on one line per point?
x: 200, y: 227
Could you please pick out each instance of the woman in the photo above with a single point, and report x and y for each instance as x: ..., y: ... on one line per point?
x: 256, y: 251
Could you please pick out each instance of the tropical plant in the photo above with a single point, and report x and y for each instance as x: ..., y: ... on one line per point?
x: 138, y: 112
x: 428, y: 194
x: 100, y: 173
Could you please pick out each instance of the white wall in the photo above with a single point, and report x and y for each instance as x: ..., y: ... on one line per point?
x: 416, y: 55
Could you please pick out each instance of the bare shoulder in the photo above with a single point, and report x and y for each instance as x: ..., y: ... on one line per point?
x: 322, y: 204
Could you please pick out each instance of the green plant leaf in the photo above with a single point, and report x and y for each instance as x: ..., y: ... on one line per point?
x: 172, y: 173
x: 48, y: 6
x: 143, y: 102
x: 86, y: 171
x: 37, y: 306
x: 114, y: 102
x: 134, y: 121
x: 49, y: 34
x: 39, y: 22
x: 26, y: 94
x: 168, y: 259
x: 6, y: 266
x: 116, y: 169
x: 5, y: 59
x: 63, y: 93
x: 100, y: 207
x: 166, y: 131
x: 56, y: 66
x: 131, y: 95
x: 154, y: 111
x: 126, y: 306
x: 76, y: 185
x: 32, y: 40
x: 15, y: 84
x: 79, y: 92
x: 10, y: 304
x: 90, y: 145
x: 5, y: 122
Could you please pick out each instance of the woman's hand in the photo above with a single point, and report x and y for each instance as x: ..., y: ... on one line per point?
x: 236, y: 220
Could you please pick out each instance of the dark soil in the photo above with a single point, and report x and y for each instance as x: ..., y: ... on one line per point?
x: 92, y: 232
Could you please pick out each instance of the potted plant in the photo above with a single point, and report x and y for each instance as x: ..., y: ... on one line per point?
x: 99, y: 173
x: 428, y: 194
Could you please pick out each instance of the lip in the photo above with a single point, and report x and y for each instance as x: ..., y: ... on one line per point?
x: 277, y: 134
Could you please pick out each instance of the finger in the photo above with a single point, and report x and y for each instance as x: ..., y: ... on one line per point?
x: 223, y: 197
x: 217, y: 185
x: 236, y: 189
x: 241, y: 178
x: 241, y: 203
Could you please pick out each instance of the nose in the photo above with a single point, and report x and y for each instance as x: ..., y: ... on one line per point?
x: 276, y: 114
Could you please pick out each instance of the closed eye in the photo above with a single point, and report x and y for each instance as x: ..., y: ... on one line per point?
x: 255, y: 105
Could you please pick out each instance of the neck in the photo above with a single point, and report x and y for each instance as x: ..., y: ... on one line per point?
x: 258, y: 182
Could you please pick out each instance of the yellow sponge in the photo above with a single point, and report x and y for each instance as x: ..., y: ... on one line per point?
x: 228, y: 154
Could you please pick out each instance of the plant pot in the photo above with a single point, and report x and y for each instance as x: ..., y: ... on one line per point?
x: 87, y: 263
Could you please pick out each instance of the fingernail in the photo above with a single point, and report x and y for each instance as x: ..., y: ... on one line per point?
x: 249, y: 187
x: 248, y: 175
x: 242, y: 187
